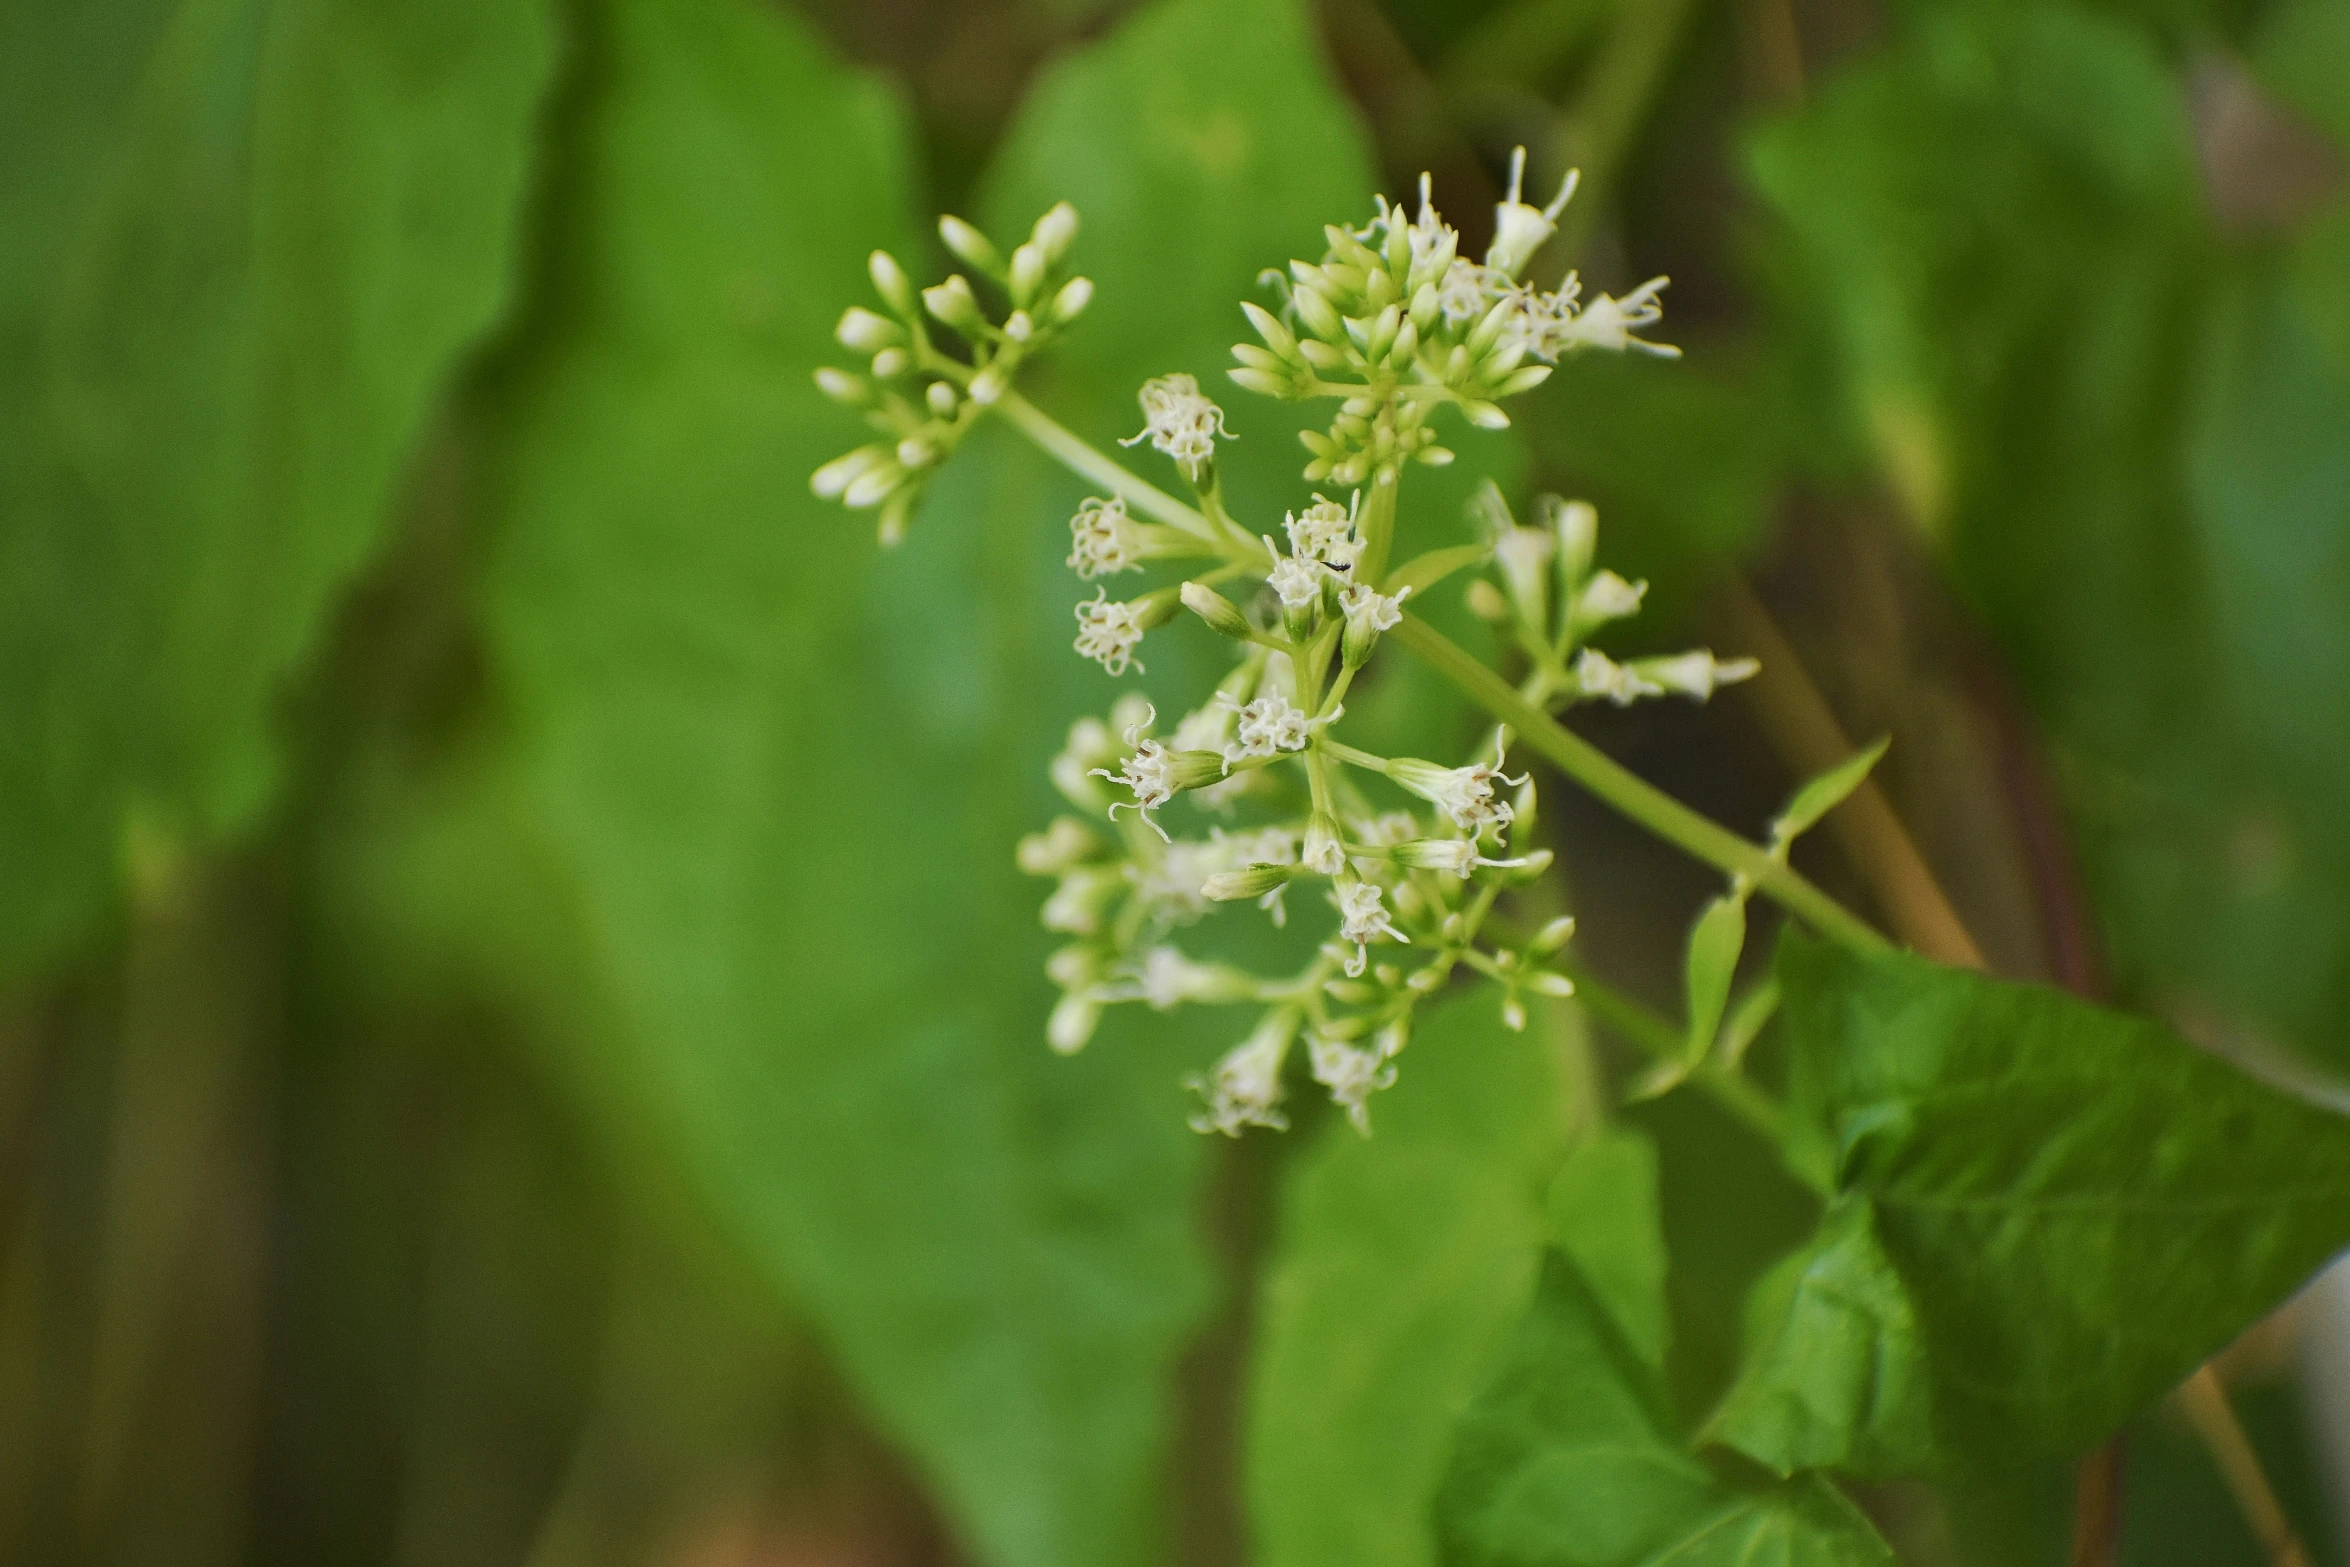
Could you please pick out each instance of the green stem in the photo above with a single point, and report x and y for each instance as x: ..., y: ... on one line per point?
x: 1658, y: 1038
x: 1378, y: 524
x: 1659, y: 812
x: 1079, y: 457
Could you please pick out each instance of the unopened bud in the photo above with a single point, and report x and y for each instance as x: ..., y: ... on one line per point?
x: 1552, y: 936
x: 1217, y: 610
x: 889, y: 280
x: 1524, y: 555
x: 1320, y: 316
x: 1546, y: 983
x: 970, y: 246
x: 1028, y: 269
x: 953, y: 303
x: 1268, y: 326
x: 1254, y: 882
x: 941, y: 398
x: 1576, y: 524
x: 832, y: 481
x: 843, y: 387
x: 987, y: 386
x: 1071, y: 301
x: 1072, y: 1024
x: 890, y: 363
x: 1055, y: 231
x: 861, y: 331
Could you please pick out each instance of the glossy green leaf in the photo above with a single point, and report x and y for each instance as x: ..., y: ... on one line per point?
x: 1823, y: 794
x: 1403, y: 1260
x: 1708, y: 966
x: 1570, y: 1458
x: 231, y: 298
x: 2017, y: 1174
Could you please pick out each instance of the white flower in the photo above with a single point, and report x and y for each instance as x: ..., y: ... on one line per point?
x: 1697, y: 674
x: 1467, y: 292
x: 1366, y: 606
x: 1103, y: 539
x: 1246, y: 1084
x: 1180, y: 422
x: 1325, y: 532
x: 1271, y: 723
x: 1598, y: 675
x: 1109, y: 631
x: 1078, y: 899
x: 1149, y: 773
x: 1362, y: 919
x: 1463, y: 794
x: 1609, y: 323
x: 1296, y: 579
x: 1609, y: 597
x: 1353, y: 1075
x: 1520, y: 230
x: 1432, y: 240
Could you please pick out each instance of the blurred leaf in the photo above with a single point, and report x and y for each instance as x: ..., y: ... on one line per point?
x: 1823, y: 794
x: 1403, y: 1259
x: 1569, y: 1458
x: 1715, y: 942
x: 2016, y: 1172
x: 2129, y: 451
x: 250, y: 279
x: 1604, y: 1216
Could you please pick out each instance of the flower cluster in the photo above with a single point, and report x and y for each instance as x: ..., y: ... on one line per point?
x: 922, y: 399
x: 1251, y: 796
x: 1396, y: 322
x: 1546, y: 594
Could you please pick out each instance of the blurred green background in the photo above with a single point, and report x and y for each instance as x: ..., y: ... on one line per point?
x: 520, y: 1036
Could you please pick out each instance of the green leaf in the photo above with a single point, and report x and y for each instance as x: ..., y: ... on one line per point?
x: 1569, y: 1457
x: 1835, y: 1372
x: 244, y: 287
x: 1711, y: 962
x: 2017, y: 1173
x: 1404, y: 1257
x: 1604, y: 1217
x: 1823, y: 794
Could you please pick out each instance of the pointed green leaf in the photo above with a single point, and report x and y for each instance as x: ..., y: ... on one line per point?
x: 1824, y: 793
x: 1569, y: 1457
x: 1404, y: 1258
x: 1715, y: 942
x: 2017, y: 1174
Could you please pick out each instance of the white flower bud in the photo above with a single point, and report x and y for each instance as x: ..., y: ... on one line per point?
x: 873, y: 486
x: 832, y: 480
x: 1323, y: 854
x: 1524, y: 557
x: 891, y: 363
x: 1055, y: 231
x: 889, y: 280
x: 1218, y: 611
x: 1071, y: 301
x: 1608, y: 597
x: 1246, y: 1085
x: 861, y: 331
x: 940, y: 395
x: 1027, y: 276
x: 953, y: 303
x: 1072, y: 1024
x: 1253, y: 881
x: 970, y: 246
x: 1576, y: 524
x: 987, y: 386
x: 1520, y: 230
x: 843, y: 387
